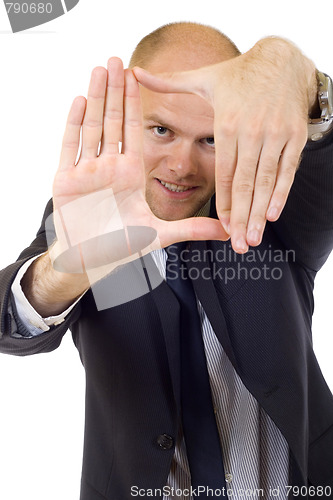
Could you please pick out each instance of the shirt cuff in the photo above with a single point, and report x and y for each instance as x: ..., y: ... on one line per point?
x: 30, y: 318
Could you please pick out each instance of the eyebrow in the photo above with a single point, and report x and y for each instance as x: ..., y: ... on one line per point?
x: 155, y: 118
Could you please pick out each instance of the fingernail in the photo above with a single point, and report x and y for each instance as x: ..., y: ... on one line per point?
x: 253, y: 236
x: 241, y: 245
x: 272, y: 213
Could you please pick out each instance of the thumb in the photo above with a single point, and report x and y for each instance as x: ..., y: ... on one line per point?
x: 193, y: 228
x: 191, y: 82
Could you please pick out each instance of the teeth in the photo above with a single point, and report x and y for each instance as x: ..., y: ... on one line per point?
x: 174, y: 187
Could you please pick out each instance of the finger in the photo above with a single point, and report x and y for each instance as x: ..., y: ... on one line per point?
x: 242, y: 192
x: 194, y: 81
x: 93, y: 118
x: 132, y: 127
x: 289, y: 163
x: 225, y: 165
x: 263, y: 188
x: 71, y: 139
x: 191, y: 229
x: 113, y: 113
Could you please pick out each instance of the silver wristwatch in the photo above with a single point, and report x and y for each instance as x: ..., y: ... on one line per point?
x: 319, y: 127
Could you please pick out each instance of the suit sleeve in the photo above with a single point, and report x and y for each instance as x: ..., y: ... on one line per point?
x: 306, y: 223
x: 14, y: 337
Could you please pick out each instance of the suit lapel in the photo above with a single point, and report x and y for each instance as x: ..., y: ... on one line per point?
x: 169, y: 312
x: 200, y: 273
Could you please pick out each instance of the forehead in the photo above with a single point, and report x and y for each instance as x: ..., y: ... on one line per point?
x: 186, y: 112
x: 183, y: 113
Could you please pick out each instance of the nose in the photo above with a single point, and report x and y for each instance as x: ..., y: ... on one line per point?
x: 181, y: 159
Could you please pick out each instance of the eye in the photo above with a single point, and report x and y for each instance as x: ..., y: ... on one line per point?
x: 160, y: 131
x: 209, y: 141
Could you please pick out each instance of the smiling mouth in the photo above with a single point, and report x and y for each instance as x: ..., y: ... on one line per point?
x: 175, y: 187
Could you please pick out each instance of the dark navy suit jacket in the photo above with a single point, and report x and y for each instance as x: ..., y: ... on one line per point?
x: 131, y: 352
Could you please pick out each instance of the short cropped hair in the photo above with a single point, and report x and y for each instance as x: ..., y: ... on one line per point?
x: 180, y: 33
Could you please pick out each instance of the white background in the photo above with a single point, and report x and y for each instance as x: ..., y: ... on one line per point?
x: 42, y: 70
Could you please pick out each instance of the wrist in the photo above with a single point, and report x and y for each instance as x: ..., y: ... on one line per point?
x: 51, y: 292
x: 282, y: 54
x: 313, y: 105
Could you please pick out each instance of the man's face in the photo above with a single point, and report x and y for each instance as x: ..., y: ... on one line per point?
x: 179, y: 153
x: 178, y: 143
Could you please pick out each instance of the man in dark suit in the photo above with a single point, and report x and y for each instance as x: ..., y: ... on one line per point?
x: 273, y: 409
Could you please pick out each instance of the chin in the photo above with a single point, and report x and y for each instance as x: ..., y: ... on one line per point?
x: 171, y: 215
x: 177, y: 211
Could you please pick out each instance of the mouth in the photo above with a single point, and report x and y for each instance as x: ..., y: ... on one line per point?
x: 178, y: 190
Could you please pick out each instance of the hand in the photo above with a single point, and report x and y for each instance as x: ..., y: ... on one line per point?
x: 98, y: 198
x: 261, y: 101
